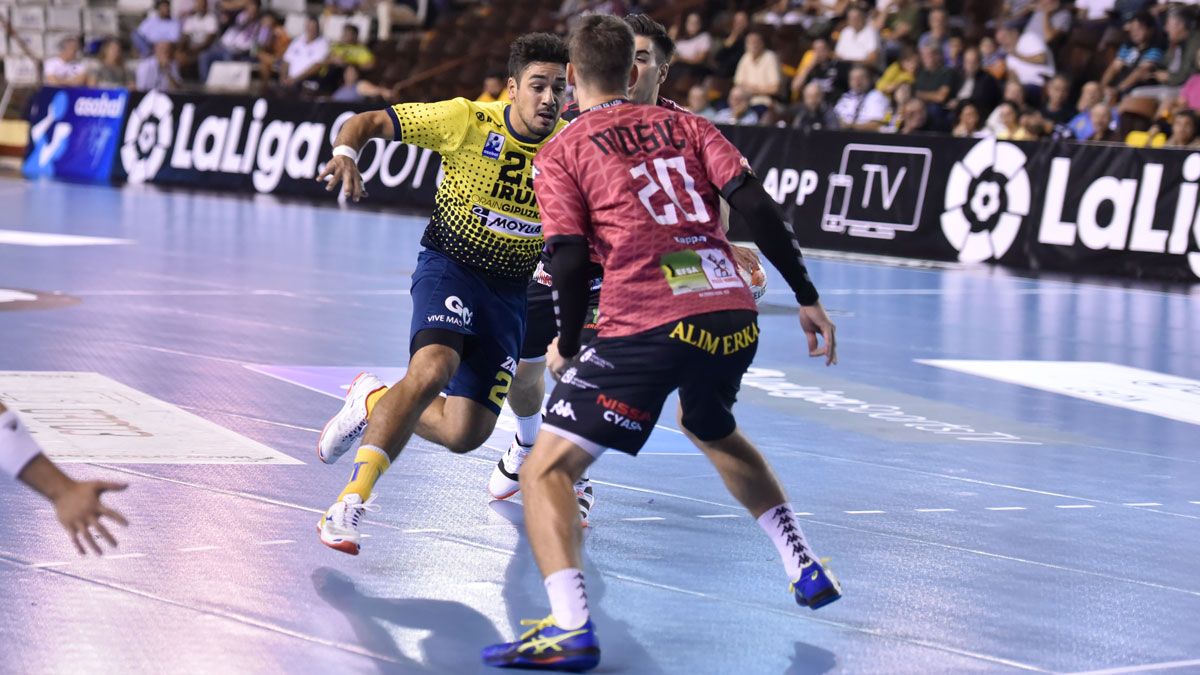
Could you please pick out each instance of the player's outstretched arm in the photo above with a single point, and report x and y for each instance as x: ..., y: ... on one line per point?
x: 77, y: 504
x: 342, y: 168
x: 775, y: 239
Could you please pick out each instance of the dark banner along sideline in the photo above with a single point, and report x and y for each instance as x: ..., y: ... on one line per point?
x: 260, y: 145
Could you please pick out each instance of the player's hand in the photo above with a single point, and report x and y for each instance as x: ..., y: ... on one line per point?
x: 814, y: 321
x: 745, y: 258
x: 556, y: 363
x: 79, y: 510
x: 343, y: 170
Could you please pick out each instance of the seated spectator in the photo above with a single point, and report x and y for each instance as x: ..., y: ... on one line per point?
x: 343, y: 7
x: 817, y: 65
x: 1183, y: 131
x: 304, y: 58
x: 899, y: 23
x: 1183, y: 44
x: 1007, y: 121
x: 494, y: 89
x: 827, y: 9
x: 1032, y: 125
x: 110, y: 71
x: 814, y: 114
x: 975, y: 85
x: 348, y: 51
x: 858, y: 41
x: 692, y: 46
x: 739, y: 111
x: 198, y: 31
x: 862, y: 107
x: 994, y: 58
x: 914, y: 118
x: 900, y: 97
x: 970, y: 121
x: 934, y: 81
x: 902, y: 71
x: 1138, y: 59
x: 1080, y: 125
x: 67, y: 68
x: 1102, y: 125
x: 780, y: 13
x: 273, y: 43
x: 758, y: 73
x: 161, y: 71
x: 158, y: 27
x: 1028, y: 59
x: 353, y: 88
x: 1056, y: 108
x: 1014, y: 93
x: 698, y: 103
x: 1050, y: 21
x: 730, y: 51
x: 954, y: 52
x: 239, y: 40
x: 938, y: 34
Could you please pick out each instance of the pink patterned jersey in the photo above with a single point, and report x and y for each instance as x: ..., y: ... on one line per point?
x: 640, y: 183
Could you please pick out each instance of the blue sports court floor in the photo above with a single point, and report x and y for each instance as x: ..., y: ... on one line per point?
x: 984, y: 517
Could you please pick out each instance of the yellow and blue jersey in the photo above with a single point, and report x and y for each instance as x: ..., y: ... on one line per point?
x: 485, y: 214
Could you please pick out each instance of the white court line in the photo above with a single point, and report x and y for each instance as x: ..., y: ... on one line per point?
x: 1074, y: 506
x: 1194, y: 502
x: 1005, y: 508
x: 801, y: 513
x: 720, y: 515
x: 43, y: 565
x: 240, y: 416
x: 864, y: 513
x: 1165, y: 665
x: 277, y: 542
x: 26, y: 238
x: 643, y: 519
x: 123, y: 556
x: 935, y: 510
x: 426, y: 530
x: 1143, y: 504
x: 195, y: 549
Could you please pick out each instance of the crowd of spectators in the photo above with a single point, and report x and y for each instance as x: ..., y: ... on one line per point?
x: 968, y: 68
x: 919, y: 66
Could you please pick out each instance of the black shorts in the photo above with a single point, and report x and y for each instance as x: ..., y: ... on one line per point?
x: 613, y: 392
x: 540, y: 326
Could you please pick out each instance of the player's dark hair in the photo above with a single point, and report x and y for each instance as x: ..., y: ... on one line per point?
x: 535, y: 48
x: 602, y: 52
x: 647, y: 27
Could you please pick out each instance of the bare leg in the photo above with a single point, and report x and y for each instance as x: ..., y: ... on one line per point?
x: 457, y: 423
x: 395, y: 416
x: 551, y: 513
x: 746, y: 473
x: 528, y: 389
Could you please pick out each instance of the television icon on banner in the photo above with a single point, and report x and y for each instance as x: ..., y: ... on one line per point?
x: 879, y: 190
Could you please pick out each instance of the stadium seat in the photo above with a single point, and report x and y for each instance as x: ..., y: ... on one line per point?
x: 100, y: 21
x: 294, y: 24
x: 135, y: 7
x: 1142, y: 139
x: 67, y: 19
x: 331, y: 26
x: 28, y: 19
x: 76, y: 4
x: 289, y: 6
x: 22, y: 71
x: 232, y: 76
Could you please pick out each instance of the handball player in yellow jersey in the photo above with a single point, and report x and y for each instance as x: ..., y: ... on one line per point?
x: 469, y: 288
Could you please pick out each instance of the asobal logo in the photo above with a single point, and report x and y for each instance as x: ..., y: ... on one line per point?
x: 987, y: 199
x: 148, y: 137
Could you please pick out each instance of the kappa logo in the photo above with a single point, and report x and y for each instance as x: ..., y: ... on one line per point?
x: 148, y: 137
x: 987, y: 199
x: 563, y: 409
x: 494, y: 145
x: 456, y: 306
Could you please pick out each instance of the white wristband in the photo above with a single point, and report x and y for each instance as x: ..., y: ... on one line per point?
x: 17, y: 447
x: 346, y: 151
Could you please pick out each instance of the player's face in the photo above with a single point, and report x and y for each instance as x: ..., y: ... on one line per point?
x: 538, y: 96
x: 651, y: 73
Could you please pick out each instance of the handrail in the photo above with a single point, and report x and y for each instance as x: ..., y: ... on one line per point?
x: 428, y: 74
x: 12, y: 34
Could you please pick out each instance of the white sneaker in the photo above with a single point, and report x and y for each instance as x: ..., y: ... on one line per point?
x: 339, y: 526
x: 504, y: 481
x: 586, y: 497
x: 346, y: 427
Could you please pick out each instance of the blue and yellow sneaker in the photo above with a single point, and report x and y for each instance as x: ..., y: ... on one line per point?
x: 816, y: 586
x: 545, y: 646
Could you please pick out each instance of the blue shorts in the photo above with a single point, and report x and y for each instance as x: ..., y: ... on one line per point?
x: 490, y: 312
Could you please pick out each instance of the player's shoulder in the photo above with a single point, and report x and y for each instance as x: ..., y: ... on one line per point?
x: 668, y: 104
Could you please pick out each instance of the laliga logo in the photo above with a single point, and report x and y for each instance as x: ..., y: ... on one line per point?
x: 987, y: 198
x: 455, y: 305
x: 148, y: 136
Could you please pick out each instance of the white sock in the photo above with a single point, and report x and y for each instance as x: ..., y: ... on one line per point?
x: 568, y: 598
x: 780, y: 525
x: 528, y: 428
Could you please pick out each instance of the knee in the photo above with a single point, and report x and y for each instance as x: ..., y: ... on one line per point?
x: 466, y: 441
